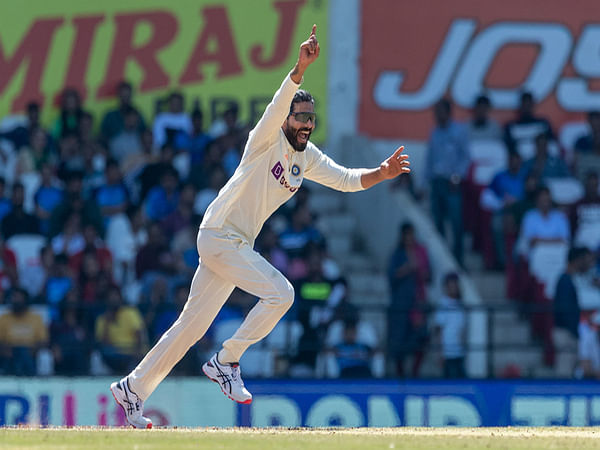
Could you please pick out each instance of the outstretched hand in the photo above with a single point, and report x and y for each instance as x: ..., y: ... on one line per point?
x: 309, y: 50
x: 395, y: 165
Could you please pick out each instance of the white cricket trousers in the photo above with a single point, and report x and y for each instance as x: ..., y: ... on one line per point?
x: 226, y: 261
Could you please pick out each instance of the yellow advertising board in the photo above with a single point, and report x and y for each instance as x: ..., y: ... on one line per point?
x: 216, y: 51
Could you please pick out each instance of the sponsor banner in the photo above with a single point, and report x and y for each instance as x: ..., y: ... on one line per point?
x: 412, y: 56
x: 214, y: 51
x: 196, y: 402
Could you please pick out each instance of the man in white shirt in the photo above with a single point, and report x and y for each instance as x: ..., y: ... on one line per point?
x: 278, y: 155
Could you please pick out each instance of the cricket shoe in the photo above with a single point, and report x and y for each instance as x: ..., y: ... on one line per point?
x: 229, y: 378
x: 132, y: 405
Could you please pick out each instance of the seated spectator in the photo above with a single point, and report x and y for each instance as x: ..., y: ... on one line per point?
x: 75, y: 202
x: 70, y: 156
x: 167, y: 124
x: 42, y: 148
x: 134, y: 164
x: 508, y: 188
x: 585, y: 214
x: 543, y: 224
x: 128, y: 141
x: 48, y: 196
x: 112, y: 198
x: 205, y: 196
x: 566, y: 305
x: 162, y: 200
x: 92, y: 243
x: 544, y: 165
x: 300, y: 233
x: 590, y: 143
x: 69, y: 341
x: 353, y: 357
x: 213, y: 158
x: 9, y: 276
x: 115, y: 120
x: 38, y: 275
x: 151, y: 174
x: 527, y: 126
x: 232, y: 153
x: 408, y: 272
x: 120, y: 334
x: 70, y: 241
x: 588, y: 352
x: 22, y: 334
x: 184, y: 247
x: 5, y: 203
x: 195, y: 142
x: 20, y: 135
x: 155, y: 257
x: 446, y: 165
x: 58, y: 284
x: 94, y: 278
x: 183, y: 214
x: 482, y: 126
x: 70, y: 115
x: 450, y: 321
x: 17, y: 221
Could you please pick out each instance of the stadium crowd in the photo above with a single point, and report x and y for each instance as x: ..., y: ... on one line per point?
x: 98, y: 227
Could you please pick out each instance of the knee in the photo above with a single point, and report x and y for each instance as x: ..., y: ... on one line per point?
x: 286, y: 294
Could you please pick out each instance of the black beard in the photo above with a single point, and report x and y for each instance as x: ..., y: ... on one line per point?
x: 293, y: 138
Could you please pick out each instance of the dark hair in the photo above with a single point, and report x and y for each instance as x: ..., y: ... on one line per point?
x: 591, y: 174
x: 576, y: 252
x: 124, y: 84
x: 111, y: 162
x: 33, y: 106
x: 483, y: 100
x: 542, y: 190
x: 406, y: 226
x: 301, y: 96
x: 197, y: 112
x: 452, y: 276
x: 526, y: 96
x: 444, y: 103
x: 593, y: 114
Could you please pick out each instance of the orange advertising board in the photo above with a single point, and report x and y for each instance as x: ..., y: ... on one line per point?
x: 413, y: 53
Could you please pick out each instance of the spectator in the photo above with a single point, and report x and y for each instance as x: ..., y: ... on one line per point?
x: 70, y: 115
x: 69, y: 340
x: 41, y: 148
x: 71, y: 158
x: 94, y: 278
x: 446, y: 166
x: 5, y: 203
x: 17, y: 221
x: 294, y: 239
x: 589, y: 345
x: 450, y: 321
x: 154, y: 257
x: 353, y: 357
x: 566, y: 305
x: 213, y: 158
x: 92, y: 243
x: 59, y: 283
x: 590, y: 143
x: 70, y: 241
x: 20, y: 135
x: 195, y: 142
x: 408, y: 272
x: 526, y: 127
x: 9, y: 276
x: 47, y: 197
x: 38, y: 275
x: 268, y: 246
x: 183, y: 214
x: 209, y: 193
x: 481, y: 125
x: 135, y: 163
x: 508, y: 188
x: 120, y: 334
x: 163, y: 199
x: 115, y: 121
x: 544, y: 165
x: 167, y: 124
x: 128, y: 141
x: 75, y: 202
x: 152, y: 173
x: 22, y: 334
x: 184, y: 249
x: 585, y: 214
x: 112, y: 198
x: 543, y: 224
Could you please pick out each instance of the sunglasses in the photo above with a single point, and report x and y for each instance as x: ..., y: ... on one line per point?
x: 304, y: 117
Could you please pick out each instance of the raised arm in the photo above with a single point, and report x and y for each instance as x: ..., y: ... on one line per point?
x: 395, y: 165
x: 279, y: 108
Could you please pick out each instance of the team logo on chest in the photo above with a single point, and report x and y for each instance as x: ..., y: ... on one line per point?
x: 295, y: 170
x: 277, y: 171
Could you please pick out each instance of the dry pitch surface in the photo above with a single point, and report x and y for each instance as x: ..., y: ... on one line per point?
x: 89, y: 438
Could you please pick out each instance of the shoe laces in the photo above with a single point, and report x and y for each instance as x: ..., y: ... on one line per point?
x: 235, y: 373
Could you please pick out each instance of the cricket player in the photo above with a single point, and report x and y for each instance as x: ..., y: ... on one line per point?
x: 277, y: 157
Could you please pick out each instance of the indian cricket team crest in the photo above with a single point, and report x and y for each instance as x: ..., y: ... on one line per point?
x: 295, y: 170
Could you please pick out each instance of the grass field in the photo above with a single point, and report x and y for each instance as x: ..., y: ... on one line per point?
x: 268, y: 439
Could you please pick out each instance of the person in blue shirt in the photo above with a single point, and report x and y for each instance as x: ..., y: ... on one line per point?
x: 162, y: 200
x: 195, y: 142
x: 112, y: 197
x: 446, y: 165
x: 5, y: 203
x: 48, y: 196
x: 543, y: 165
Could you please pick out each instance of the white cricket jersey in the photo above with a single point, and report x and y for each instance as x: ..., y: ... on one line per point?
x: 271, y: 171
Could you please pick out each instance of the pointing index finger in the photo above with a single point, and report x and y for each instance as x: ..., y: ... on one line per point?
x: 398, y: 151
x: 314, y: 30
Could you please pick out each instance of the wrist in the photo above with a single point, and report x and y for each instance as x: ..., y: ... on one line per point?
x: 297, y: 73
